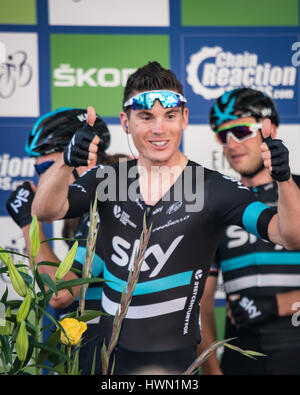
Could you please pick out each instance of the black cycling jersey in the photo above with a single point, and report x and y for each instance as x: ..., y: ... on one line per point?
x: 255, y: 267
x: 163, y: 314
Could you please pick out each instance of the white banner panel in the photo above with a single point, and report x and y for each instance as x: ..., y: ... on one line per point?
x: 109, y: 13
x: 19, y: 76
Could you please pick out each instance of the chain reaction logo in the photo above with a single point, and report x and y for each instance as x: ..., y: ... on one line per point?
x: 213, y: 70
x: 11, y: 168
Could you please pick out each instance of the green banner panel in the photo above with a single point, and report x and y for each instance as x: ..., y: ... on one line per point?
x: 239, y: 13
x: 93, y: 69
x: 18, y: 12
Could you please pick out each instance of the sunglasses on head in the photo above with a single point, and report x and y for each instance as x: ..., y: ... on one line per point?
x: 145, y: 100
x: 239, y: 133
x: 42, y: 167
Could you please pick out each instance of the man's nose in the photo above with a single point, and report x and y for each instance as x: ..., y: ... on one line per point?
x: 231, y: 142
x: 157, y: 126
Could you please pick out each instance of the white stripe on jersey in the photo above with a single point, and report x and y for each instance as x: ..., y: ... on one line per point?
x: 146, y: 311
x: 262, y: 280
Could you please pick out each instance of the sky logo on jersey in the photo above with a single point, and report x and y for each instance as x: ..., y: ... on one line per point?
x: 122, y: 250
x: 218, y: 64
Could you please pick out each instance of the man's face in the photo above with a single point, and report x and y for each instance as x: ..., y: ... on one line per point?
x: 244, y: 157
x: 157, y: 133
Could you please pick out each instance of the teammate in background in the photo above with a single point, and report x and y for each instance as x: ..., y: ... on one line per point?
x: 49, y: 136
x: 261, y: 279
x: 161, y: 325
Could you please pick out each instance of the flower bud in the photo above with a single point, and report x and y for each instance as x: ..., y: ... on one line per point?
x: 67, y: 263
x: 74, y: 330
x: 16, y: 279
x: 34, y: 235
x: 22, y: 343
x: 4, y: 256
x: 24, y: 309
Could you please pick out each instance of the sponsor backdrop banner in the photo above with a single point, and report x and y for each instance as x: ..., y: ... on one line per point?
x: 57, y: 53
x: 215, y: 64
x: 98, y: 77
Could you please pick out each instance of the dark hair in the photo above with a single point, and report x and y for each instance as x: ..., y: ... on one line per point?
x: 152, y: 76
x: 240, y: 103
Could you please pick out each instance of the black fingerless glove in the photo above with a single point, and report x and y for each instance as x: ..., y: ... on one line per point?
x: 77, y: 151
x: 19, y: 204
x: 279, y: 159
x: 247, y: 311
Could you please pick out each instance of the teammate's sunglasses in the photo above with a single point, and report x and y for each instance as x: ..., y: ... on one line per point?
x: 239, y: 133
x: 42, y: 167
x: 145, y: 100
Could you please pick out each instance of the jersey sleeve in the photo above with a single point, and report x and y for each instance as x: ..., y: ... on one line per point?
x: 82, y: 192
x: 235, y: 204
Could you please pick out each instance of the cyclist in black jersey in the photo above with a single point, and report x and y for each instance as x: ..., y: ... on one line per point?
x: 188, y: 206
x: 261, y: 279
x: 48, y: 137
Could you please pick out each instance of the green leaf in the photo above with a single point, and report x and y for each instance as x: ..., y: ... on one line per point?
x: 4, y: 296
x: 47, y: 280
x: 94, y: 362
x: 50, y: 349
x: 4, y: 257
x: 56, y: 264
x: 5, y: 348
x: 52, y: 341
x: 39, y: 280
x: 34, y: 236
x: 79, y: 281
x: 75, y: 367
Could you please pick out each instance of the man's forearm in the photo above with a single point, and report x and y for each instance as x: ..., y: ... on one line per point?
x: 64, y: 298
x: 51, y: 199
x: 211, y: 366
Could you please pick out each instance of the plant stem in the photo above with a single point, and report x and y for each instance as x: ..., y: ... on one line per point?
x: 69, y: 362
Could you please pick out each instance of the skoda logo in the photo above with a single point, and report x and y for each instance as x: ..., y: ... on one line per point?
x: 117, y: 211
x: 175, y: 206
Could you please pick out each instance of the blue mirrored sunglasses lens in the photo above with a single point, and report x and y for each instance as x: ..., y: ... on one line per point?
x: 42, y: 167
x: 145, y: 101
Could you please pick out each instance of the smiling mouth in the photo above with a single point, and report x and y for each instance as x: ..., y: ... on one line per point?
x: 237, y: 156
x: 159, y: 143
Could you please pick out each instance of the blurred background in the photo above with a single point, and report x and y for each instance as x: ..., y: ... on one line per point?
x: 62, y: 53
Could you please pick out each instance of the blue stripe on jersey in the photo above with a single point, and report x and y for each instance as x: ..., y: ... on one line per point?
x: 147, y: 287
x: 251, y: 215
x: 98, y: 263
x: 93, y: 293
x: 261, y: 258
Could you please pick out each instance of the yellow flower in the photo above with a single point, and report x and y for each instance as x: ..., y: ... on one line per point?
x: 74, y: 330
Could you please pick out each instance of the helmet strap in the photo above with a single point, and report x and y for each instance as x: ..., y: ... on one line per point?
x: 75, y: 174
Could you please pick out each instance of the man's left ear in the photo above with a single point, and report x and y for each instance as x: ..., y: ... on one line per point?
x: 124, y: 121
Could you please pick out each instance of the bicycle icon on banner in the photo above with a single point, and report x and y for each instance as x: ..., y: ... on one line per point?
x: 15, y: 72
